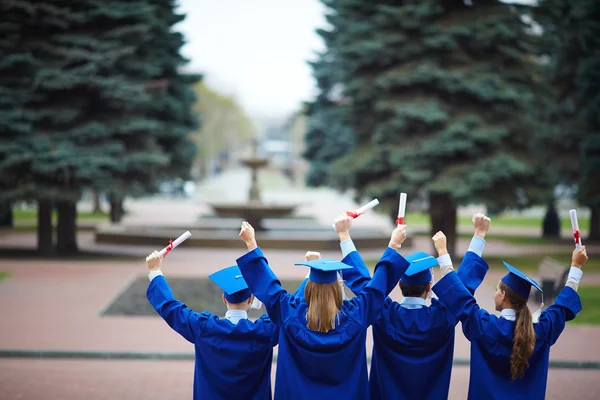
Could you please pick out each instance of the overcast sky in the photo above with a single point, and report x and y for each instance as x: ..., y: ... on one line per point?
x: 255, y: 50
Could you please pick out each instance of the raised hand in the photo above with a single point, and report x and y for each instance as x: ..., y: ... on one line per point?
x: 439, y: 241
x: 312, y: 255
x: 342, y: 226
x: 153, y: 261
x: 247, y: 235
x: 481, y: 223
x: 398, y: 237
x: 579, y: 257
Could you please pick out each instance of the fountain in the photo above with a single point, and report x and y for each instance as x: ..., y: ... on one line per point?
x: 254, y: 211
x: 276, y: 225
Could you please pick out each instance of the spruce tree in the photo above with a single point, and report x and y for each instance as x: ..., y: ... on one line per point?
x: 571, y: 39
x: 440, y: 95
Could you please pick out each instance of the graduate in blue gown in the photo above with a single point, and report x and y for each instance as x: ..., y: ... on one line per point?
x: 322, y: 337
x: 509, y: 354
x: 233, y: 355
x: 413, y: 342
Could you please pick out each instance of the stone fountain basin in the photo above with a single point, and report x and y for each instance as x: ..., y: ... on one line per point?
x: 246, y: 210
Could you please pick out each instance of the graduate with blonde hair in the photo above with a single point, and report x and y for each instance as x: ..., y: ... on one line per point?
x: 322, y: 337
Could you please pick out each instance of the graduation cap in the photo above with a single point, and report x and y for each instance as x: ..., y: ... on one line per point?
x: 232, y: 282
x: 324, y: 270
x: 418, y: 272
x: 519, y: 282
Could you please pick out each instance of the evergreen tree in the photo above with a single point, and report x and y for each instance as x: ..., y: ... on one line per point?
x: 571, y: 39
x: 441, y: 93
x: 77, y: 93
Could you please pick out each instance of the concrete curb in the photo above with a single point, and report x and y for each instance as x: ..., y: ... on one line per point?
x: 129, y: 355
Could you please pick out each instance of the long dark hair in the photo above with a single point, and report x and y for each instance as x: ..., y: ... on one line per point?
x: 524, y: 340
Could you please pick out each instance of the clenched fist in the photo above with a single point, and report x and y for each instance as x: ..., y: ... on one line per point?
x: 439, y: 241
x: 481, y: 223
x: 312, y: 255
x: 247, y: 235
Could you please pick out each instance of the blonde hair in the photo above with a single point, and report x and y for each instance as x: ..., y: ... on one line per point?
x: 524, y: 341
x: 324, y: 301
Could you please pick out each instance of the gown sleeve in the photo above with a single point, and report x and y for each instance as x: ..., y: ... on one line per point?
x: 472, y: 271
x: 552, y: 320
x: 177, y: 315
x: 370, y: 300
x: 358, y: 277
x: 264, y: 284
x: 461, y: 303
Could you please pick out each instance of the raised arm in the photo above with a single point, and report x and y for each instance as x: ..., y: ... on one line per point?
x: 473, y: 268
x: 260, y: 278
x: 177, y: 315
x: 358, y: 277
x: 456, y: 297
x: 567, y: 304
x: 369, y: 301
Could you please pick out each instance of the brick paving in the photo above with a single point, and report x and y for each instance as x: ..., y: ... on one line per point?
x: 27, y: 379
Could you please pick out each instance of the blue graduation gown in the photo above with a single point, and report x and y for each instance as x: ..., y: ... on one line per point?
x: 492, y: 339
x: 316, y: 365
x: 410, y: 346
x: 233, y: 361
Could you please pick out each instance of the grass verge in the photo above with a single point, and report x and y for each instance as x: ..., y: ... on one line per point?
x: 590, y: 299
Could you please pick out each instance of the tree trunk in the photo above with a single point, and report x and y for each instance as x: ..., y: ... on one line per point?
x: 44, y: 228
x: 594, y: 224
x: 551, y: 222
x: 96, y: 201
x: 66, y: 229
x: 6, y: 215
x: 442, y: 212
x: 116, y: 209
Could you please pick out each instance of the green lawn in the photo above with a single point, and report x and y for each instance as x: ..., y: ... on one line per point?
x: 590, y: 299
x: 511, y: 239
x: 4, y: 274
x: 31, y: 215
x: 500, y: 220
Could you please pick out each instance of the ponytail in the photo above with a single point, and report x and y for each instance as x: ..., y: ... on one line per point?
x: 524, y: 335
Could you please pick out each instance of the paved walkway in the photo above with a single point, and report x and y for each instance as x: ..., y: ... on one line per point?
x: 160, y: 380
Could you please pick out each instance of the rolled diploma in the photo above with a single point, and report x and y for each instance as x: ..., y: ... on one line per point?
x: 367, y: 206
x: 402, y: 208
x: 176, y: 243
x: 363, y: 209
x: 575, y: 226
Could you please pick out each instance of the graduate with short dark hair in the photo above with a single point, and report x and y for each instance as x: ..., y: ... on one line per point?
x: 413, y: 342
x: 509, y: 354
x: 233, y: 355
x: 322, y: 337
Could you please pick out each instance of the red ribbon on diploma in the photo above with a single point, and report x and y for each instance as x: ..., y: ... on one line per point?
x: 353, y: 214
x: 169, y: 247
x: 576, y: 236
x: 400, y: 221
